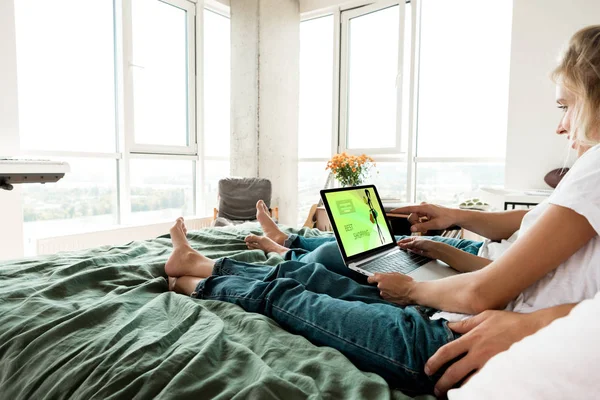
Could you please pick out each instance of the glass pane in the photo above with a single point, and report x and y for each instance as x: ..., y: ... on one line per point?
x: 160, y: 83
x: 161, y: 190
x: 373, y: 67
x: 464, y: 76
x: 217, y: 75
x: 65, y: 68
x: 84, y: 200
x: 451, y: 183
x: 214, y: 170
x: 390, y: 179
x: 311, y: 179
x: 406, y: 99
x: 316, y: 88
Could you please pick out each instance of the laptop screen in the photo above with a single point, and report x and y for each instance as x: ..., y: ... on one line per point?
x: 359, y: 220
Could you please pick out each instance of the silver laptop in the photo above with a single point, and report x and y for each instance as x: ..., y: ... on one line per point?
x: 365, y: 238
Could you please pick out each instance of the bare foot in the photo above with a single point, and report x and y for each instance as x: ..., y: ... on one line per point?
x: 172, y: 283
x: 265, y: 244
x: 184, y: 284
x: 269, y: 226
x: 184, y: 260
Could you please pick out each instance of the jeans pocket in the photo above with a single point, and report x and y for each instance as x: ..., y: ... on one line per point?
x: 427, y: 312
x: 451, y: 335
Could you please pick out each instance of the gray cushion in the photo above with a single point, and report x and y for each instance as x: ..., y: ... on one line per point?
x: 238, y: 197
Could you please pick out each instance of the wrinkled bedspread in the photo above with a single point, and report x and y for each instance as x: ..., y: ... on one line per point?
x: 101, y: 324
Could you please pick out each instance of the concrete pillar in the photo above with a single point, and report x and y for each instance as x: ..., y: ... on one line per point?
x: 265, y: 60
x: 11, y: 203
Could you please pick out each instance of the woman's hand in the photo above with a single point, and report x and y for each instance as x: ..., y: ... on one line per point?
x: 394, y: 287
x: 422, y: 246
x: 433, y: 217
x: 485, y: 335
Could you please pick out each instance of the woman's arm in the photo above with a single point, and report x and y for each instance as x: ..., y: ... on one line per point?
x: 555, y: 237
x: 492, y: 225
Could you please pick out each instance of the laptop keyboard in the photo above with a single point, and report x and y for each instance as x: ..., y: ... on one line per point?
x: 402, y: 261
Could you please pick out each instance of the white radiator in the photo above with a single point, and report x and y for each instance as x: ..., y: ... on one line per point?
x: 112, y: 237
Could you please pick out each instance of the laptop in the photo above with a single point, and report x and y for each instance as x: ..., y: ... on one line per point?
x: 365, y: 238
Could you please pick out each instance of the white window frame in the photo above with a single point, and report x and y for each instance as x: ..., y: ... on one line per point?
x: 346, y: 17
x: 339, y: 134
x: 224, y: 11
x: 129, y: 148
x: 127, y: 71
x: 125, y: 147
x: 335, y: 12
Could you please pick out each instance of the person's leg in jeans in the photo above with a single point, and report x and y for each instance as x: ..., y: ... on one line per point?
x: 332, y: 310
x: 326, y: 308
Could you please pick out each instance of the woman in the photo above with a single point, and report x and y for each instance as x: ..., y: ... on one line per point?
x: 554, y: 261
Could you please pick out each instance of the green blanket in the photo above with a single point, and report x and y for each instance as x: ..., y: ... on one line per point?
x: 101, y: 324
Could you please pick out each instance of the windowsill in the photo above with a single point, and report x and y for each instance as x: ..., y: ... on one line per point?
x: 107, y: 235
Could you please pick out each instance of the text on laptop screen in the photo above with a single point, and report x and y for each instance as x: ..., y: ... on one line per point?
x: 359, y: 219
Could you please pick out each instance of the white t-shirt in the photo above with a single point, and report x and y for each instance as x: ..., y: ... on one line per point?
x: 493, y: 250
x: 578, y: 278
x: 558, y: 362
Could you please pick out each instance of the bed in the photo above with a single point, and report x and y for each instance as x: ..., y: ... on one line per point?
x: 101, y: 324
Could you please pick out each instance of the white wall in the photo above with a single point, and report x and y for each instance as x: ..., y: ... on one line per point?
x: 265, y: 77
x: 279, y: 94
x: 244, y: 87
x: 541, y: 29
x: 11, y: 211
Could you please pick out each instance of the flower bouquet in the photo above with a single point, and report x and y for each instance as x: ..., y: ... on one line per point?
x: 350, y: 170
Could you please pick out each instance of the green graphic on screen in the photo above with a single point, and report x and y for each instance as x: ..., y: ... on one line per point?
x: 359, y: 219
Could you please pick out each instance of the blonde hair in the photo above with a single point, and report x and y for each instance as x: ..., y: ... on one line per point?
x: 579, y: 72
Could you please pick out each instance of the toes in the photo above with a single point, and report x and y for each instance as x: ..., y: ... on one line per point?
x: 259, y: 205
x: 252, y: 238
x: 265, y: 208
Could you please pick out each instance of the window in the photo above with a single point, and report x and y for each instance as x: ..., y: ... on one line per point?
x: 372, y: 73
x: 450, y: 182
x: 217, y: 75
x: 375, y: 91
x: 160, y: 77
x: 461, y: 119
x: 66, y: 81
x: 84, y: 200
x: 316, y: 109
x: 424, y: 115
x: 161, y: 189
x: 117, y: 101
x: 463, y: 45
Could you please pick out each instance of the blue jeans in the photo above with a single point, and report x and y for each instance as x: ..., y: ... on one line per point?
x: 324, y: 249
x: 329, y: 309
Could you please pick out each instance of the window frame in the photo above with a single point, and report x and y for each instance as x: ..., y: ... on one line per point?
x: 128, y: 66
x: 125, y: 148
x: 335, y: 12
x: 339, y: 126
x: 345, y: 18
x: 201, y: 177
